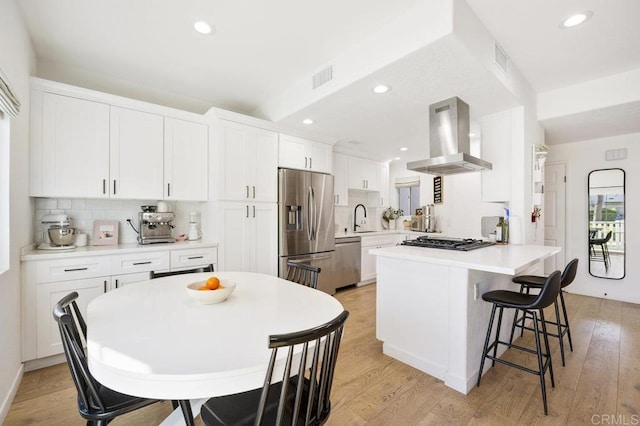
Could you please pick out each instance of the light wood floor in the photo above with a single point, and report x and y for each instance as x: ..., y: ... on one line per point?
x: 601, y: 378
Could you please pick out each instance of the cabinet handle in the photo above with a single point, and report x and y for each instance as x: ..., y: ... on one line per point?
x: 310, y: 162
x: 195, y: 257
x: 142, y: 263
x: 254, y: 211
x: 104, y: 186
x: 104, y: 286
x: 337, y: 198
x: 305, y: 162
x: 247, y: 211
x: 254, y: 191
x: 116, y: 283
x: 114, y: 187
x: 247, y: 191
x: 75, y: 269
x: 168, y: 189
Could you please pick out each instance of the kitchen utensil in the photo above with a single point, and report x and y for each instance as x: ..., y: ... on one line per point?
x: 62, y: 236
x: 149, y: 209
x: 163, y: 207
x: 81, y: 240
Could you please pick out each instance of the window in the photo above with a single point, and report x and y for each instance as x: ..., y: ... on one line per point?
x: 4, y: 192
x: 408, y: 194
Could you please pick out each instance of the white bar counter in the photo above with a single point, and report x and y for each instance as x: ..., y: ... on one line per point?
x: 430, y: 313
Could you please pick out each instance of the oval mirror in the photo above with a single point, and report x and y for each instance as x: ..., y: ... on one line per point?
x: 606, y: 224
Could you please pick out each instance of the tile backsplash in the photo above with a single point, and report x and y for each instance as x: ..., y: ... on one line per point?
x: 84, y: 211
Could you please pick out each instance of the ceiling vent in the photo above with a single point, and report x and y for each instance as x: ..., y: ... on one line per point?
x: 322, y: 77
x: 500, y: 58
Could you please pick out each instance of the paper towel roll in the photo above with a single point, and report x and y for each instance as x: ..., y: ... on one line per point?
x: 516, y: 233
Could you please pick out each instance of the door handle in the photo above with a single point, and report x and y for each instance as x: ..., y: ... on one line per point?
x: 254, y: 191
x: 114, y: 187
x: 309, y: 259
x: 247, y: 211
x: 195, y: 257
x: 116, y: 283
x: 168, y: 189
x: 305, y: 162
x: 142, y: 263
x: 310, y: 163
x: 104, y: 286
x: 104, y: 186
x: 76, y: 269
x: 254, y: 211
x: 247, y: 191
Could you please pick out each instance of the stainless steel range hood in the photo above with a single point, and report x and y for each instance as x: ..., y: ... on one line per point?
x: 449, y: 141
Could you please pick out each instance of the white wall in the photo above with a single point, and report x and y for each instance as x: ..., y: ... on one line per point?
x: 581, y: 158
x: 17, y: 61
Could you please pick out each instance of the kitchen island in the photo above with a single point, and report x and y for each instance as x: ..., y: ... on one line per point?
x: 430, y: 313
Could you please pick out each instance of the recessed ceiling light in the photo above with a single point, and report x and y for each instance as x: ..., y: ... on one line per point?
x: 472, y: 135
x: 307, y: 121
x: 404, y: 148
x: 203, y: 27
x: 396, y: 158
x: 576, y: 19
x: 381, y: 88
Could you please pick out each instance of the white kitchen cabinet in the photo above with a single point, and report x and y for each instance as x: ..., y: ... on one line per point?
x: 136, y: 154
x: 496, y: 148
x: 363, y: 174
x: 299, y: 153
x: 384, y: 198
x: 47, y: 295
x: 118, y: 281
x: 69, y: 147
x: 194, y: 258
x: 340, y: 187
x: 185, y: 160
x: 368, y: 261
x: 247, y: 163
x: 249, y: 237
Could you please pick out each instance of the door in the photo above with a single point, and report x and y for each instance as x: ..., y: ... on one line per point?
x: 554, y: 214
x: 306, y: 220
x: 324, y: 261
x: 136, y: 152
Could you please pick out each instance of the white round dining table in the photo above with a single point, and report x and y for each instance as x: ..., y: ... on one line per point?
x: 151, y: 339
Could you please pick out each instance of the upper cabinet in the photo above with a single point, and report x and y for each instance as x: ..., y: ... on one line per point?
x: 384, y: 185
x: 363, y: 174
x: 136, y: 154
x: 87, y: 144
x: 185, y: 160
x: 340, y: 186
x: 298, y: 153
x: 247, y: 162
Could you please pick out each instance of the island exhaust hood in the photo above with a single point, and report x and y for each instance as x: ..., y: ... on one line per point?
x: 449, y: 141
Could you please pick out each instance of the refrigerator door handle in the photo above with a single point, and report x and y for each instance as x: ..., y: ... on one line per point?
x: 311, y: 214
x: 310, y: 259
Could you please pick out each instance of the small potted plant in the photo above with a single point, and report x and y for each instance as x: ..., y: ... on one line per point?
x: 390, y: 215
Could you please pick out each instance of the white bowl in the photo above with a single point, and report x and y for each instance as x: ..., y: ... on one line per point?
x: 209, y: 297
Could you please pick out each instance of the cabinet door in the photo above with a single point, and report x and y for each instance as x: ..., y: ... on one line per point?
x: 73, y: 155
x: 194, y: 258
x: 186, y: 163
x: 231, y: 143
x: 47, y: 295
x: 263, y: 238
x: 356, y: 173
x: 384, y: 185
x: 262, y: 148
x: 136, y: 153
x: 340, y: 188
x: 368, y: 264
x: 118, y: 281
x: 233, y: 222
x: 292, y: 152
x: 320, y: 157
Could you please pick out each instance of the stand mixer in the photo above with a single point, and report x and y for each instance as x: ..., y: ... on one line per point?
x: 59, y: 235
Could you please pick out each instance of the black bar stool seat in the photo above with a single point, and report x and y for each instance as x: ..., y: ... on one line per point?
x: 527, y: 282
x: 534, y: 305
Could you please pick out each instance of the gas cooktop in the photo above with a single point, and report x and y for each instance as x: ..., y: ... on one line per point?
x: 460, y: 244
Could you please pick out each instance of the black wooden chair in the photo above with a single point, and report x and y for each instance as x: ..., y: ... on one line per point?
x: 527, y: 282
x: 154, y: 274
x: 300, y: 273
x: 603, y: 256
x: 96, y: 403
x: 300, y: 395
x: 534, y: 304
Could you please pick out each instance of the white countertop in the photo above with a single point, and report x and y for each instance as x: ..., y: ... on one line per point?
x: 510, y: 259
x: 35, y: 254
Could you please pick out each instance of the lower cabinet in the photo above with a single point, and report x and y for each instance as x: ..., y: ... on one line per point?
x: 249, y: 237
x: 368, y: 261
x: 47, y: 281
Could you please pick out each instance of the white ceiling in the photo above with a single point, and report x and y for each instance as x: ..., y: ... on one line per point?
x: 260, y: 49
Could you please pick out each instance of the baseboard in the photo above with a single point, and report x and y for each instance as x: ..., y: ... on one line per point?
x: 6, y: 404
x: 36, y: 364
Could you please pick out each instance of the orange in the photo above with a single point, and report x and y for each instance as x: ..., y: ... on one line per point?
x: 213, y: 283
x: 203, y: 287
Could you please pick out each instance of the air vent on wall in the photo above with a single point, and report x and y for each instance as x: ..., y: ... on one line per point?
x: 322, y: 77
x: 500, y: 58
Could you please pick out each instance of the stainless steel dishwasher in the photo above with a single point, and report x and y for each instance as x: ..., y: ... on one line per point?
x: 347, y: 261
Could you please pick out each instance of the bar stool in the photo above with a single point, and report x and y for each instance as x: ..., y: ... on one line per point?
x: 534, y: 281
x: 533, y: 304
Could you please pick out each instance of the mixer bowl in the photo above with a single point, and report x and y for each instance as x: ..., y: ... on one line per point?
x: 63, y: 236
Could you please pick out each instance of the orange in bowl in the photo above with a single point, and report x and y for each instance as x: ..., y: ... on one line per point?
x: 213, y: 283
x: 199, y: 292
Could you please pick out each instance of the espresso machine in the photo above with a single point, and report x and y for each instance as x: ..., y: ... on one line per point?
x: 154, y: 227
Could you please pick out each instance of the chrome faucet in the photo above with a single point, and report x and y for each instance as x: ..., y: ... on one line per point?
x: 355, y: 213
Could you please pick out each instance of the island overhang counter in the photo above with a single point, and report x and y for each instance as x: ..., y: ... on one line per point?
x: 429, y: 311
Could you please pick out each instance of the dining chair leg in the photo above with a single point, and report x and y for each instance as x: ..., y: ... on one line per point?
x: 185, y: 405
x: 566, y: 320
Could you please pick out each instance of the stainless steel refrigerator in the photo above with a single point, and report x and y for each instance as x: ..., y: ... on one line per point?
x: 306, y: 223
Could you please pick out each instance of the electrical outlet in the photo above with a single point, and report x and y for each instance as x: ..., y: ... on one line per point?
x: 476, y: 291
